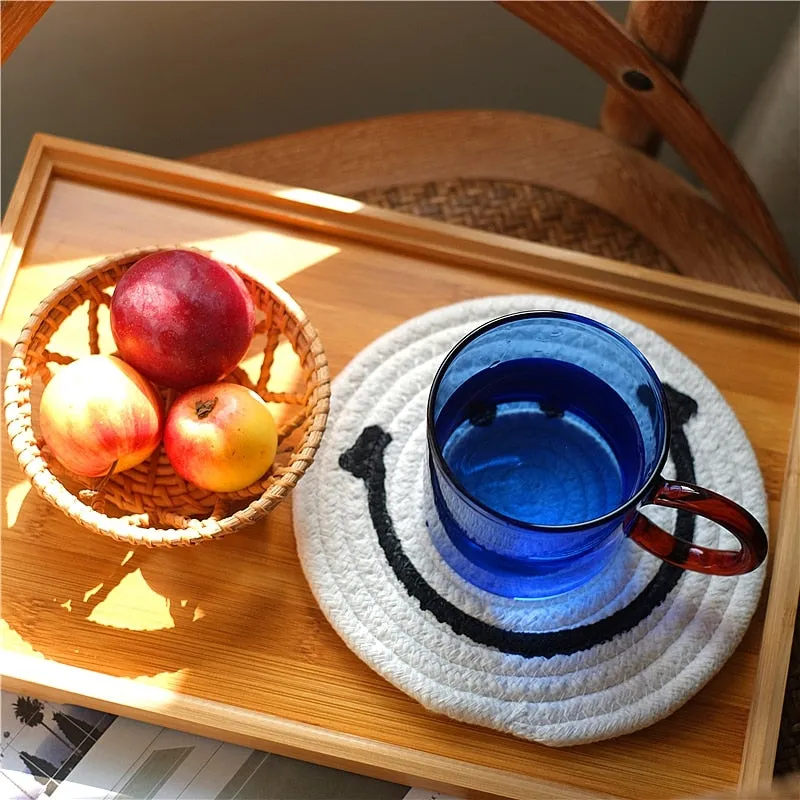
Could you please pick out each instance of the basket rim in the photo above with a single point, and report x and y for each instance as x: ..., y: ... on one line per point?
x: 50, y: 487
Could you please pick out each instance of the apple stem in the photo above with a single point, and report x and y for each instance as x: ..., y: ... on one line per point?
x: 94, y: 496
x: 102, y: 485
x: 204, y: 407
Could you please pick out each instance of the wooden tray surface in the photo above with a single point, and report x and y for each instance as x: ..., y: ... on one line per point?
x: 225, y: 639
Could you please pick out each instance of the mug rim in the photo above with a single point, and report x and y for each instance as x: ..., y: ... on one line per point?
x: 433, y: 447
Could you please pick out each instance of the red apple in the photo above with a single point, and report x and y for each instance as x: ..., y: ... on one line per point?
x: 97, y: 413
x: 181, y: 318
x: 220, y: 437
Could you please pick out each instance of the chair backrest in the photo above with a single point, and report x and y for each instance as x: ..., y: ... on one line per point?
x: 17, y: 19
x: 639, y: 81
x: 645, y: 98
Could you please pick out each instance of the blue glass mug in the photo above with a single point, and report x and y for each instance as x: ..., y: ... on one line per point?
x: 547, y: 431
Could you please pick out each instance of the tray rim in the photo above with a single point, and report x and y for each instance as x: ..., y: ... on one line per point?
x: 56, y: 157
x: 51, y: 157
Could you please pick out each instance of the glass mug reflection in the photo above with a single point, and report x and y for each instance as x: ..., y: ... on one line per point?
x: 547, y: 432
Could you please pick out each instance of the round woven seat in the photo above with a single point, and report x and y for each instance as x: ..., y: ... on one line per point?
x: 525, y: 211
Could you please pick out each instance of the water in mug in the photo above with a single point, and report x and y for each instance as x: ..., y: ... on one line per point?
x: 542, y: 441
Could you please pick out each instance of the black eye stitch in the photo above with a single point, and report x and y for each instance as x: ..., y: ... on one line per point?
x: 482, y: 414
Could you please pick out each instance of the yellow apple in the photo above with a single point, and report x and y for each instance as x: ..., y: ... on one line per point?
x: 220, y: 437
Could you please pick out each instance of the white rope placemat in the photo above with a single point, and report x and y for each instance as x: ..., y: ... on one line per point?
x: 611, y: 657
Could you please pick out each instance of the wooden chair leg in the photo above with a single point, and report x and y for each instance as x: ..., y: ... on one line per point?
x: 667, y: 31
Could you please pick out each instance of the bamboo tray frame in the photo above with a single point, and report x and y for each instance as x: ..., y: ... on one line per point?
x: 62, y: 182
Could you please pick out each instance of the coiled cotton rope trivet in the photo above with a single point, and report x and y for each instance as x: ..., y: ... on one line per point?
x: 609, y: 658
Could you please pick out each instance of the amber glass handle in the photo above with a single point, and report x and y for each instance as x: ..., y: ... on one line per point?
x: 735, y: 519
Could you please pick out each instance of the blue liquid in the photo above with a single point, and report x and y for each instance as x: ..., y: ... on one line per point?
x: 542, y: 441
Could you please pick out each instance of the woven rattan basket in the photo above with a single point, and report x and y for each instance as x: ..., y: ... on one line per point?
x: 150, y: 504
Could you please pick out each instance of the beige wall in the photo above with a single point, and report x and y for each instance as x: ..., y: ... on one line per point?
x: 174, y: 78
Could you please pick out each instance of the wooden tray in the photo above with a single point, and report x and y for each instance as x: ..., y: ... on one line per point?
x: 225, y: 639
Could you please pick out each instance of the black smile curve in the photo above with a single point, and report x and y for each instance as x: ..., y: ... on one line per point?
x: 365, y: 460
